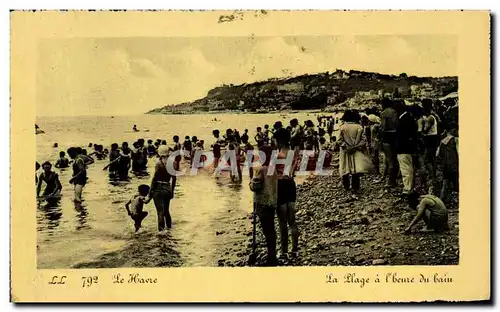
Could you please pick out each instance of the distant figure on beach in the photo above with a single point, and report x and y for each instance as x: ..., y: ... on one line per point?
x: 259, y: 136
x: 430, y: 209
x: 353, y: 162
x: 62, y: 162
x: 79, y: 178
x: 38, y: 130
x: 37, y: 167
x: 151, y: 149
x: 135, y: 206
x: 55, y: 145
x: 135, y: 128
x: 119, y: 162
x: 113, y: 165
x: 286, y: 196
x: 88, y: 160
x: 187, y: 146
x: 53, y: 187
x: 124, y: 162
x: 216, y: 147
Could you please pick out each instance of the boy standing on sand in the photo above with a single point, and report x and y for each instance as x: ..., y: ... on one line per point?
x: 135, y: 206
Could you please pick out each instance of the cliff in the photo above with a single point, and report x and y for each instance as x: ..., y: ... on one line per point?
x: 329, y: 91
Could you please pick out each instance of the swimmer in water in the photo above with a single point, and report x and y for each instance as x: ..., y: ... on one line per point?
x: 135, y: 206
x: 121, y: 163
x: 187, y: 146
x: 135, y: 128
x: 79, y: 178
x: 177, y: 144
x: 151, y: 149
x: 56, y: 145
x: 88, y: 160
x: 37, y: 167
x: 98, y: 152
x: 53, y: 187
x: 216, y: 147
x: 62, y: 162
x: 113, y: 155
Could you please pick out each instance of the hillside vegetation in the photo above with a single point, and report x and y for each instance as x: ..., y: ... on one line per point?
x: 326, y: 91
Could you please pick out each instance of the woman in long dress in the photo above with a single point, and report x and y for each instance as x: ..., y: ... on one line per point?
x: 353, y: 161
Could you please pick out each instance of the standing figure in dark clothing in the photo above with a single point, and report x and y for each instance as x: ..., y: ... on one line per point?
x: 151, y: 149
x: 79, y: 178
x: 431, y: 142
x: 187, y: 146
x: 406, y: 133
x: 162, y: 189
x: 448, y: 155
x: 114, y: 168
x: 62, y: 162
x: 52, y: 192
x: 244, y: 137
x: 389, y: 119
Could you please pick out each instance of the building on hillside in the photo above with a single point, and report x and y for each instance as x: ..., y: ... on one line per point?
x: 292, y: 87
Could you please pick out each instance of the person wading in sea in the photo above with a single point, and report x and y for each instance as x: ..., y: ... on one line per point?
x: 162, y: 189
x: 52, y: 192
x: 79, y: 178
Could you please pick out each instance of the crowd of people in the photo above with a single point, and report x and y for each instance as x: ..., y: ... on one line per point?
x: 412, y: 140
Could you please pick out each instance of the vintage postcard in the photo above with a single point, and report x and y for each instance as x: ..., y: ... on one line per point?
x: 250, y: 156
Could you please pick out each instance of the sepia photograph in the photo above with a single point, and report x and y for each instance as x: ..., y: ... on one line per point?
x: 359, y: 138
x: 309, y: 156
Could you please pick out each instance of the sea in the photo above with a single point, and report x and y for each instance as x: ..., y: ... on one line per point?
x: 100, y: 233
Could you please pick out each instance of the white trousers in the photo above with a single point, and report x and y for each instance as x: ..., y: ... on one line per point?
x: 406, y: 167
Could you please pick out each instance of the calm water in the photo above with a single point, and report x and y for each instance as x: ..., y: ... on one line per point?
x: 101, y: 234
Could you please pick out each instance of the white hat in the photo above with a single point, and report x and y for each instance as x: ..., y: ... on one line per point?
x: 163, y: 151
x: 374, y: 118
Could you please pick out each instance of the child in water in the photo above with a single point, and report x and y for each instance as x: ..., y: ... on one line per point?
x: 187, y: 146
x: 326, y: 147
x: 151, y: 149
x: 62, y: 162
x: 37, y: 167
x: 53, y: 185
x: 135, y: 206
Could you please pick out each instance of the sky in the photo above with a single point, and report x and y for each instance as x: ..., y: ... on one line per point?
x: 131, y: 75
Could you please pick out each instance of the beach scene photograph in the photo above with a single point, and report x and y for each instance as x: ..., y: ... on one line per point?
x: 244, y: 151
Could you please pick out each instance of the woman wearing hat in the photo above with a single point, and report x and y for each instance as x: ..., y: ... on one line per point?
x: 162, y: 188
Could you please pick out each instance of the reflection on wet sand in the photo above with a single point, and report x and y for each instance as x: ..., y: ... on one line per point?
x: 52, y: 213
x: 81, y: 216
x: 144, y: 249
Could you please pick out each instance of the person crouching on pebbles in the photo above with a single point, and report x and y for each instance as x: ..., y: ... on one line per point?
x: 430, y: 209
x: 135, y: 206
x: 162, y: 189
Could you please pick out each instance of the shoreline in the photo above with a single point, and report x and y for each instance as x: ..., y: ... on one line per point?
x: 292, y: 112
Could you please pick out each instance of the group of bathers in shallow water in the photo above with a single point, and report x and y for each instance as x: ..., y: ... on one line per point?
x: 294, y: 137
